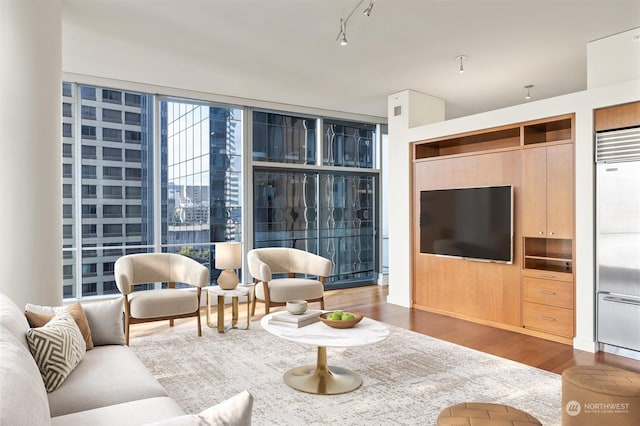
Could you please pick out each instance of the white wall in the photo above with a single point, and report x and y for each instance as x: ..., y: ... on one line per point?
x: 613, y: 59
x: 30, y: 111
x: 415, y: 109
x: 582, y: 103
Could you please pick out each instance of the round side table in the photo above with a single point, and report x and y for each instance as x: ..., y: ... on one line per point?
x: 235, y: 294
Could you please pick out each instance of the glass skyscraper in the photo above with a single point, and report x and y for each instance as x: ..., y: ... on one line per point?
x: 108, y: 161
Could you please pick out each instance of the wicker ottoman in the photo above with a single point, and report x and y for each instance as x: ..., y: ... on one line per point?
x: 600, y: 395
x: 481, y: 414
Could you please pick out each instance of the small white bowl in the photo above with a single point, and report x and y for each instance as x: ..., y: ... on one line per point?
x: 297, y: 307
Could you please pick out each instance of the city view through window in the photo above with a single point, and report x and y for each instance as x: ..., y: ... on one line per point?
x: 134, y: 185
x: 109, y: 201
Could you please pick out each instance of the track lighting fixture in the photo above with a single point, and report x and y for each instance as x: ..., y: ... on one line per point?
x: 342, y: 34
x: 528, y: 87
x: 367, y: 11
x: 461, y: 58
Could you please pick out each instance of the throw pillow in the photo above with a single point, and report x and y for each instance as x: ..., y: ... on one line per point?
x: 57, y: 347
x: 104, y: 318
x: 77, y: 313
x: 235, y: 411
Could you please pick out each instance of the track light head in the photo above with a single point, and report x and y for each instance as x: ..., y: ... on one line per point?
x: 342, y: 34
x: 343, y: 40
x: 369, y: 8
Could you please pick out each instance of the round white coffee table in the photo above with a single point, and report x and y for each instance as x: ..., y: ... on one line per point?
x: 324, y: 379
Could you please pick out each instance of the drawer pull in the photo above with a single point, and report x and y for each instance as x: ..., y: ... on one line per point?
x: 548, y: 293
x: 546, y: 318
x: 547, y: 276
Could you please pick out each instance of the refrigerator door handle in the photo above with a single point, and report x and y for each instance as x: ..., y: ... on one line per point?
x: 621, y: 300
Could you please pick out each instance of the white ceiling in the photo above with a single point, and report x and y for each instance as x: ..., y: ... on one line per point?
x: 286, y: 50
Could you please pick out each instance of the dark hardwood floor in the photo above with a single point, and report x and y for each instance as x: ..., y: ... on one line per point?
x: 533, y: 351
x: 372, y: 301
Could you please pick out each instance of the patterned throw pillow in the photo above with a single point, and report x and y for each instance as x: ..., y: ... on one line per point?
x: 57, y: 348
x: 37, y: 319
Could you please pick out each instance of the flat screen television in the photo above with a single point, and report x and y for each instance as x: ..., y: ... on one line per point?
x: 470, y: 223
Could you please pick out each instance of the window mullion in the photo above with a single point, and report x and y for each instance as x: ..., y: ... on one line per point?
x: 77, y: 192
x: 157, y: 179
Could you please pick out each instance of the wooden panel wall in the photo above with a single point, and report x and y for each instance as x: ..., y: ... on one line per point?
x: 617, y: 117
x: 482, y: 290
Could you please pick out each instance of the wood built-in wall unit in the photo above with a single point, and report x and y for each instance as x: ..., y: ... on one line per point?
x: 535, y: 293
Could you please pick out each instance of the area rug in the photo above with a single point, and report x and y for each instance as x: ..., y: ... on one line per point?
x: 407, y: 379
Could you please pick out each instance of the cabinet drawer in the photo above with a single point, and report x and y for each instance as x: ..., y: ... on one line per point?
x: 547, y: 292
x: 548, y: 275
x: 549, y: 319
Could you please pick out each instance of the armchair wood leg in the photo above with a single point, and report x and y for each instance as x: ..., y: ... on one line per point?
x: 199, y: 325
x: 266, y: 307
x: 322, y: 303
x: 170, y: 323
x: 253, y: 306
x: 126, y: 331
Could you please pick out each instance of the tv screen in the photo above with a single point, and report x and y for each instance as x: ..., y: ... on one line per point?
x: 471, y: 223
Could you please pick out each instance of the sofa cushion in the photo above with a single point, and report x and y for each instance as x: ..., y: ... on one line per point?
x: 23, y: 398
x: 107, y: 375
x: 104, y: 318
x: 57, y: 347
x: 13, y: 319
x: 77, y: 313
x: 127, y: 413
x: 235, y: 411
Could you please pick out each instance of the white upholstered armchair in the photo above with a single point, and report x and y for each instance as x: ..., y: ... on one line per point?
x: 263, y: 263
x: 164, y: 304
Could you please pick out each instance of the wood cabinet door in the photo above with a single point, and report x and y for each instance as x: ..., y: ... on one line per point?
x: 534, y: 188
x: 560, y: 191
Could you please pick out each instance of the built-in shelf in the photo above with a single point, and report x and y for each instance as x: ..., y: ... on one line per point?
x: 547, y: 254
x: 474, y: 142
x: 549, y: 130
x: 560, y: 130
x: 536, y: 158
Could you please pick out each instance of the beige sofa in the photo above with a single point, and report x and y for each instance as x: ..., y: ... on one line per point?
x: 110, y: 385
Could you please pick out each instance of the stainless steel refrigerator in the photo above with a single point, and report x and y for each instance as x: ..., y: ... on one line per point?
x: 618, y: 241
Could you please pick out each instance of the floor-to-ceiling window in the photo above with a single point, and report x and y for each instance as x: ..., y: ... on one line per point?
x: 201, y: 196
x: 148, y: 173
x: 319, y: 197
x: 107, y: 180
x: 110, y: 168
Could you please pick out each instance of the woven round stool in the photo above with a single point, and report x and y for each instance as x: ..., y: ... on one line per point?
x: 481, y: 414
x: 600, y: 395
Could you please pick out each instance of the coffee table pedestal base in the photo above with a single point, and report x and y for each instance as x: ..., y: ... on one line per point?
x: 322, y: 379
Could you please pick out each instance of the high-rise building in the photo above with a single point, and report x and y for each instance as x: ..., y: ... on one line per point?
x: 108, y: 211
